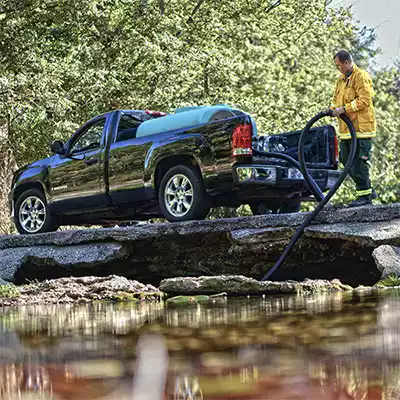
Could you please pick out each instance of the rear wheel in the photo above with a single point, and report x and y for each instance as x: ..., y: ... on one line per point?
x: 32, y: 214
x: 182, y: 196
x: 275, y: 206
x: 290, y: 206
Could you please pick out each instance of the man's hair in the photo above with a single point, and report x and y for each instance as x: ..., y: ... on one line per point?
x: 343, y: 55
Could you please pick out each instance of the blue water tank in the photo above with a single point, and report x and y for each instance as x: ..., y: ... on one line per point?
x: 183, y: 118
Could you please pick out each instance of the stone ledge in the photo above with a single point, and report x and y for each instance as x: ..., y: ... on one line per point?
x: 57, y: 257
x: 242, y: 285
x: 148, y: 231
x: 367, y: 233
x: 340, y: 246
x: 82, y: 290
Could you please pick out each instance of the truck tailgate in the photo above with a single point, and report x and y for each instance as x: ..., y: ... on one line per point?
x: 320, y: 148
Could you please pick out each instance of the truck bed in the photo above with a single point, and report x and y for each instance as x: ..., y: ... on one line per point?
x: 320, y: 147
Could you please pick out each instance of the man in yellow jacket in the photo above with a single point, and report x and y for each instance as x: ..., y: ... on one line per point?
x: 353, y: 96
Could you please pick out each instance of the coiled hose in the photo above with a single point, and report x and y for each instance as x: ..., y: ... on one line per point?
x: 312, y: 185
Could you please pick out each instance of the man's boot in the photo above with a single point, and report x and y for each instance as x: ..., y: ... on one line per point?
x: 361, y: 201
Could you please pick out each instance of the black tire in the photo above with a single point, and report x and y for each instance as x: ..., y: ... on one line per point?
x: 290, y: 206
x: 263, y: 207
x: 275, y: 206
x: 49, y: 223
x: 199, y: 202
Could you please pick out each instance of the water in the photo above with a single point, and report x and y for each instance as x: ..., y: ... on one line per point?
x: 327, y: 346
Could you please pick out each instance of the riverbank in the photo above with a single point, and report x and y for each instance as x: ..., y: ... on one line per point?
x: 78, y: 290
x: 174, y: 291
x: 357, y: 246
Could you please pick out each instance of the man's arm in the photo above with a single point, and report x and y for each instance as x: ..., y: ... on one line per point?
x: 364, y: 93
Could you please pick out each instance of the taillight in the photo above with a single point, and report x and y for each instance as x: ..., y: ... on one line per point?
x: 155, y: 113
x: 242, y: 140
x: 336, y: 149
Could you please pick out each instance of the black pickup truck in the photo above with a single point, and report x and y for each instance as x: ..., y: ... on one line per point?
x: 133, y: 165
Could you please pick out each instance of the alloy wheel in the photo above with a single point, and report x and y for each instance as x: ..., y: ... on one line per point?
x: 32, y: 214
x: 178, y: 195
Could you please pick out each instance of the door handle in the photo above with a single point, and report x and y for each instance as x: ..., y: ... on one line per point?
x: 91, y: 161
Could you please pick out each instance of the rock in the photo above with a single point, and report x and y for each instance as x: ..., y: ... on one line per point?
x: 241, y: 285
x: 374, y: 213
x: 387, y: 259
x: 196, y: 299
x: 338, y: 244
x: 188, y: 299
x: 366, y: 233
x: 85, y: 289
x: 98, y: 368
x: 364, y: 289
x: 3, y: 282
x: 61, y: 258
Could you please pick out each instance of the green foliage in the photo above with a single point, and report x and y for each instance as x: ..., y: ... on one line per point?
x: 9, y: 292
x: 63, y: 62
x: 71, y: 60
x: 386, y: 163
x: 390, y: 281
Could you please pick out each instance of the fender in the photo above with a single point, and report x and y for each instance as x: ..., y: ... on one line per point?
x: 31, y: 175
x: 192, y: 145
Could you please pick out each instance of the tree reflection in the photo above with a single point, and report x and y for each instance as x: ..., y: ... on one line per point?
x: 47, y: 381
x: 16, y: 379
x: 187, y: 387
x: 323, y: 347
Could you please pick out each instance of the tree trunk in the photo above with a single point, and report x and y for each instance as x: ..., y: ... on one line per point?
x: 7, y: 168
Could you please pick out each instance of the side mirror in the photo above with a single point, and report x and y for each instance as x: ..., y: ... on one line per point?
x: 57, y: 146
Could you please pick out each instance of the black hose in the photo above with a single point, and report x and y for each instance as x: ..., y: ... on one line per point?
x: 311, y: 183
x: 314, y: 188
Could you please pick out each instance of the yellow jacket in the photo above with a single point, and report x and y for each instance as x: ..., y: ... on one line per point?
x: 355, y: 94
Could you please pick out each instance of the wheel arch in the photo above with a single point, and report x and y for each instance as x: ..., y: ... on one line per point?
x: 23, y: 187
x: 167, y: 163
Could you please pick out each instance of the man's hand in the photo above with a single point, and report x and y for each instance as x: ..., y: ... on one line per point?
x: 338, y: 111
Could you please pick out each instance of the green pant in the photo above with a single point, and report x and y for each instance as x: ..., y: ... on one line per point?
x: 360, y: 169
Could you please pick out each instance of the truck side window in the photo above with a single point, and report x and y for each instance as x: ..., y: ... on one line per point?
x: 127, y: 128
x: 90, y: 139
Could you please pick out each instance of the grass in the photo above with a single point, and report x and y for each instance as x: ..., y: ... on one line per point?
x: 389, y: 281
x: 9, y: 291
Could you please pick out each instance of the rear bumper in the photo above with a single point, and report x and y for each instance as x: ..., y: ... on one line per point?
x: 282, y: 177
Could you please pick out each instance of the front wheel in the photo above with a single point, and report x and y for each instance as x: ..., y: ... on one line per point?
x: 182, y: 196
x: 32, y: 214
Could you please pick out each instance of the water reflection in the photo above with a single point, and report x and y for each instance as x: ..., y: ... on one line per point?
x: 120, y: 318
x: 326, y: 346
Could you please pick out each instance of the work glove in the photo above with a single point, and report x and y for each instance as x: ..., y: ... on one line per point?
x: 338, y: 111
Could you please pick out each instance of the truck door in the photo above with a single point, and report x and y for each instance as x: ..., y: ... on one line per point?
x: 75, y: 178
x: 126, y: 161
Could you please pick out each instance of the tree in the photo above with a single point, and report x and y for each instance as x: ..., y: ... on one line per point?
x: 65, y: 61
x: 71, y: 60
x: 386, y: 163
